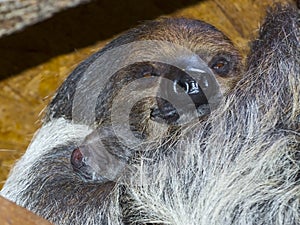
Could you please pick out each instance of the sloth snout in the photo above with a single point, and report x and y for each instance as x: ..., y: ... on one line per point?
x: 77, y: 159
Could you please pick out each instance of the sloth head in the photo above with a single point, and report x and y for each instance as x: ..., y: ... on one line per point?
x: 196, y: 63
x: 180, y: 50
x: 162, y: 75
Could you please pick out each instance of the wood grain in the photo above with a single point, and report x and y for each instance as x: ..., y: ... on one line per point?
x: 17, y: 14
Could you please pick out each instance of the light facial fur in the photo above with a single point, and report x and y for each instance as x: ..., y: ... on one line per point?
x: 239, y: 166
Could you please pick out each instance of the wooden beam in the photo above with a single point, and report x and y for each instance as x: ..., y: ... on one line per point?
x: 16, y: 14
x: 12, y: 214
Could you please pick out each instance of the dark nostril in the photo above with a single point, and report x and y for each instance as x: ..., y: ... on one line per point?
x: 190, y: 87
x: 77, y: 159
x: 180, y: 87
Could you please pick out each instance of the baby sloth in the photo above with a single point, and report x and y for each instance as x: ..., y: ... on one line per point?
x: 139, y: 134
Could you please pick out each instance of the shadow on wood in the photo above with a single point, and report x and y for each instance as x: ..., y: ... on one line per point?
x: 76, y: 28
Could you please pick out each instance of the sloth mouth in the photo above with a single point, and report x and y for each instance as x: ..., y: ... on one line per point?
x: 170, y: 115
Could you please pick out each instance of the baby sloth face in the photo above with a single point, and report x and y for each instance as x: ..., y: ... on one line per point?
x: 162, y: 75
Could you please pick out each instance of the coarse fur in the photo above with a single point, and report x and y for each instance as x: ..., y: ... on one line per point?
x: 240, y: 166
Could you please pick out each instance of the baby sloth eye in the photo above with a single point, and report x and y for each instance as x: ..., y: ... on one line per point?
x: 220, y: 65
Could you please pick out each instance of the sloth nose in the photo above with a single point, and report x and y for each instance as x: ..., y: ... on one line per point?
x: 189, y: 86
x: 180, y: 95
x: 77, y: 159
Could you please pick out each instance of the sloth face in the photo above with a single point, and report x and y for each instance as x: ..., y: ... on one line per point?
x: 183, y: 41
x: 178, y: 77
x: 205, y: 89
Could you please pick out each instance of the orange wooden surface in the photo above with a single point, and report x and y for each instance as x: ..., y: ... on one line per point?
x: 11, y: 214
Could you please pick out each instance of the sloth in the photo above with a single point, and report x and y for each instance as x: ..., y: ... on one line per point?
x: 186, y: 62
x: 187, y: 155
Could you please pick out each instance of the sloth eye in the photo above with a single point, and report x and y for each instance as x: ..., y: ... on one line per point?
x: 220, y: 65
x: 147, y: 75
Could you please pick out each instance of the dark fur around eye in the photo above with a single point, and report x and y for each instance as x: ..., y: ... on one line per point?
x: 221, y: 65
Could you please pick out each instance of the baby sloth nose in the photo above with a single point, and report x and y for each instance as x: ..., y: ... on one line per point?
x: 77, y: 159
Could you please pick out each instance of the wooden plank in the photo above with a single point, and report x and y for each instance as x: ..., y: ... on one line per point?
x: 11, y: 214
x: 17, y: 14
